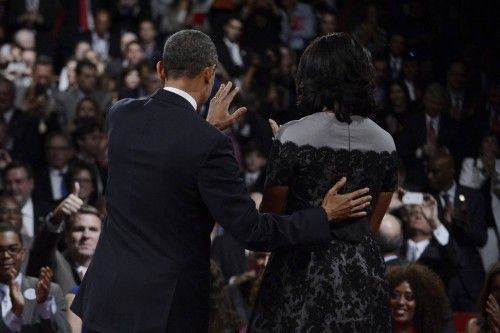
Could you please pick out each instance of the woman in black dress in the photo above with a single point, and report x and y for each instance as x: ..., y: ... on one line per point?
x: 339, y: 286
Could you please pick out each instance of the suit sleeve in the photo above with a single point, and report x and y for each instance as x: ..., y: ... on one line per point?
x: 42, y: 252
x: 227, y: 200
x: 57, y: 322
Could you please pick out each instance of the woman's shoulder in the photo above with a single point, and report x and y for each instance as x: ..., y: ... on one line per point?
x: 370, y: 136
x: 300, y: 130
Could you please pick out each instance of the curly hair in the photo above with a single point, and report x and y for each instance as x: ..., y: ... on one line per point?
x: 221, y: 313
x: 430, y: 296
x: 335, y: 73
x: 485, y: 292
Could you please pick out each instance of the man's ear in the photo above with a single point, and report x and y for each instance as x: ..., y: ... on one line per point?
x: 161, y: 71
x: 208, y: 73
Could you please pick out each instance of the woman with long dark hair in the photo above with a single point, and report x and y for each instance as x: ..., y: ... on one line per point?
x: 338, y: 286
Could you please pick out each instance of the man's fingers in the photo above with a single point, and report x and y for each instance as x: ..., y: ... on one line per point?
x: 238, y: 113
x: 359, y: 193
x: 217, y: 94
x: 76, y: 189
x: 358, y: 214
x: 338, y: 185
x: 274, y: 126
x: 363, y: 201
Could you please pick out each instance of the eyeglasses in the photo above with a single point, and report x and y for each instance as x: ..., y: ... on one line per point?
x: 12, y: 250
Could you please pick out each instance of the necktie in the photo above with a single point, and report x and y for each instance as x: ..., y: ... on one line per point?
x: 412, y: 257
x: 64, y: 189
x: 448, y: 208
x: 6, y: 304
x: 431, y: 132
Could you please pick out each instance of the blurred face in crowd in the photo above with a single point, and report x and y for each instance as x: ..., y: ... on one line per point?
x: 495, y: 287
x: 10, y: 212
x: 381, y: 70
x: 126, y: 39
x: 84, y: 178
x: 403, y: 304
x: 397, y: 45
x: 102, y: 22
x: 489, y: 144
x: 81, y: 50
x: 25, y: 39
x: 457, y: 76
x: 87, y: 79
x: 147, y: 31
x: 254, y: 161
x: 440, y: 173
x: 433, y: 105
x: 86, y: 110
x: 71, y: 66
x: 11, y: 255
x: 7, y: 95
x: 372, y: 14
x: 417, y: 220
x: 42, y: 75
x: 410, y: 69
x: 135, y: 53
x: 132, y: 79
x: 58, y: 152
x: 397, y: 95
x: 233, y: 30
x: 82, y: 236
x: 29, y: 58
x: 328, y: 23
x: 91, y: 143
x: 19, y: 185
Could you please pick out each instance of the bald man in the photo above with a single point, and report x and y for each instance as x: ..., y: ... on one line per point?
x: 390, y: 240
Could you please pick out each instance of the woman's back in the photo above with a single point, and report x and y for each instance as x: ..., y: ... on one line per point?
x: 312, y: 153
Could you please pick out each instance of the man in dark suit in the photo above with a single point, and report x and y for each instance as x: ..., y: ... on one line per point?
x: 462, y: 211
x: 171, y: 175
x: 231, y: 56
x: 390, y: 240
x: 24, y: 143
x: 50, y: 179
x: 19, y: 182
x: 426, y: 133
x: 28, y: 304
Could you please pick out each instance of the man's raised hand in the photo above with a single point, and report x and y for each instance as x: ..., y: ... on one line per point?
x: 68, y: 206
x: 351, y: 205
x: 218, y: 112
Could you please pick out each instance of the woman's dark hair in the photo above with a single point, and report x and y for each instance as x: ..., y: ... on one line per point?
x: 432, y: 303
x: 485, y: 293
x: 222, y: 317
x: 335, y: 73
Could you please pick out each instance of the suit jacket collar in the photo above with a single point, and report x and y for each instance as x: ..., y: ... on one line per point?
x: 169, y: 97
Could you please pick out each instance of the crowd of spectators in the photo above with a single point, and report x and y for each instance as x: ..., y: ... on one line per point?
x: 437, y: 89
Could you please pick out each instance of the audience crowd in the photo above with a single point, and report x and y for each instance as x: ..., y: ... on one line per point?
x: 437, y: 89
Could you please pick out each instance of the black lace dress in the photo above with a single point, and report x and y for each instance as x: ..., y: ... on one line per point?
x: 339, y: 286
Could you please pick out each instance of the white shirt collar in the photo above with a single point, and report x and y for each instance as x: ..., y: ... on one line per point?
x: 390, y: 257
x: 56, y: 172
x: 27, y: 209
x: 183, y: 94
x: 7, y: 116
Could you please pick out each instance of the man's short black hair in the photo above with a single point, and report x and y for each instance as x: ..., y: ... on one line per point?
x: 82, y: 64
x: 7, y: 227
x: 187, y: 52
x: 19, y: 165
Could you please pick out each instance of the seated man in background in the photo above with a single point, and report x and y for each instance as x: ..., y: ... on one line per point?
x: 28, y: 304
x: 390, y: 240
x: 81, y: 234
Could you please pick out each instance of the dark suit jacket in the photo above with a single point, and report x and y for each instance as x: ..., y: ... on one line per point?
x: 27, y: 144
x: 415, y: 136
x: 32, y: 323
x: 44, y: 253
x: 469, y: 236
x: 225, y: 59
x: 443, y: 260
x: 171, y: 174
x: 229, y: 254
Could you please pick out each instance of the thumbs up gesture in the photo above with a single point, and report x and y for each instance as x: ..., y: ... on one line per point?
x: 68, y: 206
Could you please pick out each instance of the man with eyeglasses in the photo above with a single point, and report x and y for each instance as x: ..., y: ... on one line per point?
x: 28, y: 304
